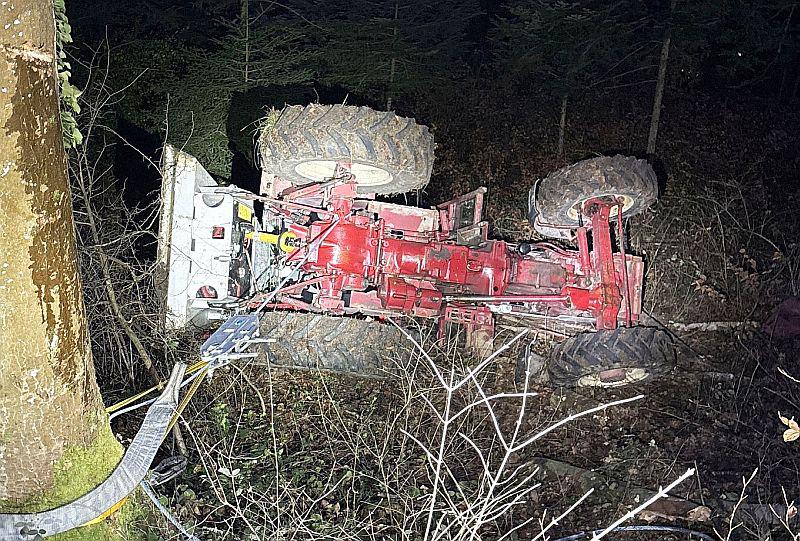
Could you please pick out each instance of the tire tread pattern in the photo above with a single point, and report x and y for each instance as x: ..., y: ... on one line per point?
x: 561, y: 190
x: 348, y: 133
x: 335, y: 343
x: 587, y: 353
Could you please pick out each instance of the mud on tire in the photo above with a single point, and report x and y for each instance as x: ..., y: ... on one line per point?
x: 339, y: 344
x: 553, y: 200
x: 389, y: 154
x: 612, y: 358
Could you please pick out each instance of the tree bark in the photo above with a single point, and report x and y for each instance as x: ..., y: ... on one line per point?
x: 49, y: 400
x: 245, y: 22
x: 660, y: 83
x: 393, y: 62
x: 562, y: 126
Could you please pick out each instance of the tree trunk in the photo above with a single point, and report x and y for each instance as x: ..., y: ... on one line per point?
x: 245, y: 22
x: 662, y: 77
x: 562, y: 126
x: 393, y: 62
x: 54, y: 428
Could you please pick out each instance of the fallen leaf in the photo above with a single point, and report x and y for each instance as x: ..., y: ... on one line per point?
x: 791, y: 433
x: 701, y: 513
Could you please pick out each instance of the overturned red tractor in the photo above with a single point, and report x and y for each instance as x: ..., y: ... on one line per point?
x: 326, y: 261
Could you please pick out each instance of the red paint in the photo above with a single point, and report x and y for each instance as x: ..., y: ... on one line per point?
x: 384, y: 259
x: 607, y: 311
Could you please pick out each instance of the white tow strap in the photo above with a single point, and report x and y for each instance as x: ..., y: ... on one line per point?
x: 123, y: 480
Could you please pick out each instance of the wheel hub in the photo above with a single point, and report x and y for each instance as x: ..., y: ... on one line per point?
x: 365, y: 175
x: 615, y: 377
x: 627, y: 203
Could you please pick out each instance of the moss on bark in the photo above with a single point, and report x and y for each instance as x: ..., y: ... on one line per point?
x: 77, y: 472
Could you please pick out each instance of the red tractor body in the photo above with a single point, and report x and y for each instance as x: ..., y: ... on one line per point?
x: 352, y: 254
x: 318, y: 245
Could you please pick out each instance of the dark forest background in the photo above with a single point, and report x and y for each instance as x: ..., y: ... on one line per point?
x: 201, y: 74
x: 511, y: 90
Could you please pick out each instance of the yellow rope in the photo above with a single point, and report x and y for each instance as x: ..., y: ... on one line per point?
x: 110, y: 511
x: 131, y: 399
x: 186, y: 398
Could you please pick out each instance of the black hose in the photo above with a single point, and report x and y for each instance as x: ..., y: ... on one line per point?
x: 642, y: 528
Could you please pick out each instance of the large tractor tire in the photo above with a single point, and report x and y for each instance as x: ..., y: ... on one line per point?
x: 613, y: 358
x: 339, y: 344
x: 556, y: 200
x: 389, y: 154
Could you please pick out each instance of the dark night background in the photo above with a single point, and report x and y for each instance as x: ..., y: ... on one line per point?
x: 481, y: 73
x: 492, y: 80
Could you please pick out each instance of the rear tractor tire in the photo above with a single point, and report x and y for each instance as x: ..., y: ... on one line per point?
x: 614, y: 358
x: 554, y: 203
x: 388, y: 154
x: 338, y: 344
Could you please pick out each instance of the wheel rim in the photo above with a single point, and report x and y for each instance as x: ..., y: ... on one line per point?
x: 365, y: 175
x: 616, y: 377
x: 627, y: 203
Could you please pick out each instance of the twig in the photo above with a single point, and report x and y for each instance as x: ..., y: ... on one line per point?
x: 633, y: 512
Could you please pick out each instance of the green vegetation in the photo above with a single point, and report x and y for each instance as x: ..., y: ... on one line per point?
x: 69, y: 94
x: 490, y: 80
x: 78, y: 472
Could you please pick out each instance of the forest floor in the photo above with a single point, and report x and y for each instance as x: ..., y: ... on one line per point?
x: 304, y: 455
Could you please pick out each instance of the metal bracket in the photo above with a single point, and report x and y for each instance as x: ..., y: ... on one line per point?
x: 237, y: 332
